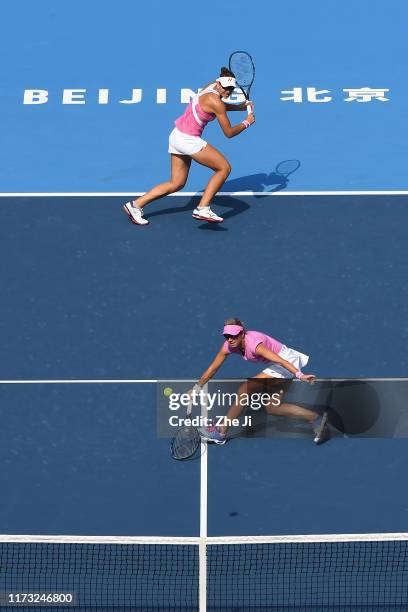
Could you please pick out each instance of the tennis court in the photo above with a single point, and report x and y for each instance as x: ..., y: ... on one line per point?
x: 98, y: 316
x: 74, y: 490
x: 76, y: 306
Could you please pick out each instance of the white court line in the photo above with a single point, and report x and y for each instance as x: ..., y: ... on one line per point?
x: 202, y: 551
x: 178, y: 380
x: 75, y: 382
x: 189, y: 194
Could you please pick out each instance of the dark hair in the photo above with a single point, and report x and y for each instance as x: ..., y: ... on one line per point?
x: 234, y: 321
x: 226, y: 72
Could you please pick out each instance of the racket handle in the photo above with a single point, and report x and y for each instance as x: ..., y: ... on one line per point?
x: 195, y: 389
x: 189, y: 407
x: 248, y: 109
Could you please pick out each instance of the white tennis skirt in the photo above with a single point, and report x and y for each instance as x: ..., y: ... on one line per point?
x: 299, y: 360
x: 184, y: 144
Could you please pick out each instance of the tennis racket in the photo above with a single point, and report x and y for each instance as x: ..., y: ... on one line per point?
x: 287, y: 167
x: 186, y: 441
x: 242, y: 65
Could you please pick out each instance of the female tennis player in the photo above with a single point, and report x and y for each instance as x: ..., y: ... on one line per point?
x: 186, y: 144
x: 279, y: 362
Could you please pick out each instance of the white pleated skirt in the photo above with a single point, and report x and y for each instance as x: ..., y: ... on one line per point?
x: 297, y: 359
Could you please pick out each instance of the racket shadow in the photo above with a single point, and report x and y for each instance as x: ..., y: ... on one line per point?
x: 265, y: 182
x: 257, y: 182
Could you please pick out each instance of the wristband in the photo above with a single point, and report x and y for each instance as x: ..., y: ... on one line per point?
x: 299, y: 375
x: 246, y: 123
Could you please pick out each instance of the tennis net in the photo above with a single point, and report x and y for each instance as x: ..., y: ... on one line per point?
x: 330, y: 572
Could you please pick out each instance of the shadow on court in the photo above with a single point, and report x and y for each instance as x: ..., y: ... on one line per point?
x: 266, y: 183
x: 77, y: 284
x: 276, y: 180
x: 356, y: 408
x: 234, y: 208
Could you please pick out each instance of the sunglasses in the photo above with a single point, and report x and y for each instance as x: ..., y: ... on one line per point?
x: 229, y: 89
x: 228, y: 336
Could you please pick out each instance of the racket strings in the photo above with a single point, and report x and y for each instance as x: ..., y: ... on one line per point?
x: 242, y: 66
x: 185, y: 443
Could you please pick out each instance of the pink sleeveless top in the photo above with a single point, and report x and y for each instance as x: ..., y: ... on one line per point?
x: 194, y: 119
x: 252, y: 339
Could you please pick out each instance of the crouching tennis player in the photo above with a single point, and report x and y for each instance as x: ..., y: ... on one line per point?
x: 186, y: 144
x: 279, y: 362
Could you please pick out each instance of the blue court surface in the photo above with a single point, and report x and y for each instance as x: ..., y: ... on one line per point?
x: 97, y: 313
x: 89, y: 295
x: 71, y: 71
x: 88, y: 458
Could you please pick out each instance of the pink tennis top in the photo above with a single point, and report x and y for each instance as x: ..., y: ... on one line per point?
x: 252, y: 339
x: 194, y: 119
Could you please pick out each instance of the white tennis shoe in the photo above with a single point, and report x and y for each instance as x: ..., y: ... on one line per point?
x: 206, y: 214
x: 321, y: 429
x: 135, y: 214
x: 212, y: 434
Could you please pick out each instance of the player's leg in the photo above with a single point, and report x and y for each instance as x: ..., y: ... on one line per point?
x: 218, y: 434
x: 293, y: 411
x: 280, y: 408
x: 276, y: 406
x: 246, y: 389
x: 210, y: 157
x: 180, y: 167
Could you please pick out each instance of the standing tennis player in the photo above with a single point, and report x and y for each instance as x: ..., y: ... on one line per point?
x: 186, y: 144
x: 278, y: 361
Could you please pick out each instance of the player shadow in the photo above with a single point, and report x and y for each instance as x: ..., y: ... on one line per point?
x: 263, y: 424
x: 356, y: 408
x: 261, y: 182
x: 234, y: 207
x: 266, y: 425
x: 267, y: 183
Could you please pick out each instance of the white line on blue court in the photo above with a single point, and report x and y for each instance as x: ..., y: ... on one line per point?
x: 189, y: 194
x: 163, y: 380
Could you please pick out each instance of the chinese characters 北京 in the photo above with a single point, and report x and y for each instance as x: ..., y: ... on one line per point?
x: 314, y: 95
